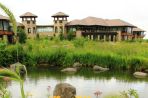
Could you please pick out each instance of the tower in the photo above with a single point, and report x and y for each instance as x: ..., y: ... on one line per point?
x: 60, y: 19
x: 29, y: 22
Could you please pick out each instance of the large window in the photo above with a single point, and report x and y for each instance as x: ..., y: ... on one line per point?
x: 1, y: 26
x: 6, y: 25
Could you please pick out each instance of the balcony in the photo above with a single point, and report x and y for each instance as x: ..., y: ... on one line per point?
x: 6, y: 33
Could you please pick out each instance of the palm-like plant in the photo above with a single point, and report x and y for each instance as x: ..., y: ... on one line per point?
x: 7, y: 74
x: 11, y: 17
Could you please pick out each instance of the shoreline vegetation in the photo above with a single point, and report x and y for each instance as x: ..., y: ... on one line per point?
x: 47, y: 52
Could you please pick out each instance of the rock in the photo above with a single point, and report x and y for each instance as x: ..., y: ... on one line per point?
x: 18, y: 68
x: 64, y: 90
x: 77, y: 65
x: 69, y: 70
x: 99, y: 68
x: 140, y: 74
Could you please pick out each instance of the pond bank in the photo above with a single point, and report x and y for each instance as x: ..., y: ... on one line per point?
x: 115, y: 56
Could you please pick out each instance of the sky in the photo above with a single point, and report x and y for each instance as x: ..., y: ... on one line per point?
x: 132, y: 11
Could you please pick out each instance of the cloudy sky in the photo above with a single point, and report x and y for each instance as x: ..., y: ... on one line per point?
x: 132, y: 11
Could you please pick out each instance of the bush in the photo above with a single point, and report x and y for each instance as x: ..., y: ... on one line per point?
x: 22, y: 35
x: 70, y: 35
x: 79, y: 42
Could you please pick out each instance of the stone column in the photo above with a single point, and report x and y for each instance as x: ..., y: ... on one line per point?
x: 110, y: 37
x: 98, y: 37
x: 92, y: 37
x: 104, y: 37
x: 119, y: 35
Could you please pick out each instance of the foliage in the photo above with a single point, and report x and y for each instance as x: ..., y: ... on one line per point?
x: 13, y: 76
x: 4, y: 93
x: 22, y: 35
x: 131, y: 93
x: 61, y: 36
x: 79, y: 42
x: 70, y: 35
x: 65, y: 53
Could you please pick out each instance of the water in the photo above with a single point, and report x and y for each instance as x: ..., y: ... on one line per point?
x: 85, y: 81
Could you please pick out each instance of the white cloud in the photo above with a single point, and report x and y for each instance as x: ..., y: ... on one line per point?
x: 133, y: 11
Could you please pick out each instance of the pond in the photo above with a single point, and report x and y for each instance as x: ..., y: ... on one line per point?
x: 85, y: 81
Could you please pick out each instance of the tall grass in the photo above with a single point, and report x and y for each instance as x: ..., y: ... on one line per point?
x: 119, y: 55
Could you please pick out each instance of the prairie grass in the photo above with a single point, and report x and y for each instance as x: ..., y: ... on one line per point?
x: 115, y: 55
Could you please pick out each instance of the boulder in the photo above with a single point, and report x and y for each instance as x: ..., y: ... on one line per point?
x: 18, y: 68
x: 64, y: 90
x: 77, y: 65
x: 99, y: 68
x: 69, y: 70
x: 140, y: 74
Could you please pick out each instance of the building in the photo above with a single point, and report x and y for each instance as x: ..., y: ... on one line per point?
x: 90, y: 27
x: 5, y: 29
x: 29, y: 23
x: 104, y: 29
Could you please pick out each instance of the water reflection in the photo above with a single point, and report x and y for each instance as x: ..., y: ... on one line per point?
x: 86, y: 82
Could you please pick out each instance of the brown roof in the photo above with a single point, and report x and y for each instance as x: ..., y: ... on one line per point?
x: 118, y: 22
x: 99, y: 21
x: 28, y: 14
x: 60, y: 14
x: 138, y: 30
x: 3, y: 17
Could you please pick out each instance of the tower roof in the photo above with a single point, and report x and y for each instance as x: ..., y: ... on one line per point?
x: 28, y: 14
x: 3, y: 17
x: 60, y: 14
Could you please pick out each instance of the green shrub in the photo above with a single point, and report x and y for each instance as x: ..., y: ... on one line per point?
x: 79, y: 42
x: 22, y: 35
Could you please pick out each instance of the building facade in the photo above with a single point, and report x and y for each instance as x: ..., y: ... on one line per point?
x: 90, y: 27
x: 5, y: 29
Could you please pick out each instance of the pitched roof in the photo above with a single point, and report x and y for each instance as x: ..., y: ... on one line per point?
x: 118, y: 22
x: 3, y: 17
x: 99, y: 21
x: 138, y: 30
x: 60, y: 14
x: 28, y: 14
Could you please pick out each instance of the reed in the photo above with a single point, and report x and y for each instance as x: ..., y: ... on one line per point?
x: 119, y: 55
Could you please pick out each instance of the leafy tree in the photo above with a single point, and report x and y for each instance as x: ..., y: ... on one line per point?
x: 70, y: 35
x: 22, y: 35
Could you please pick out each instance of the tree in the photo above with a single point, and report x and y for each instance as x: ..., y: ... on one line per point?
x: 22, y: 35
x: 70, y: 35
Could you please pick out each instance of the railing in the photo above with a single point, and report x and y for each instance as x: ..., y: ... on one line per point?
x: 6, y: 33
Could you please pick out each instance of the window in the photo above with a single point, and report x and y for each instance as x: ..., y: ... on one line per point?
x: 60, y: 21
x: 6, y: 25
x: 33, y: 22
x: 28, y: 22
x: 29, y: 30
x: 1, y: 25
x: 34, y: 30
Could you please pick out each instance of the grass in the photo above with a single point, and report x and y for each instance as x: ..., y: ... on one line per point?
x: 119, y: 55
